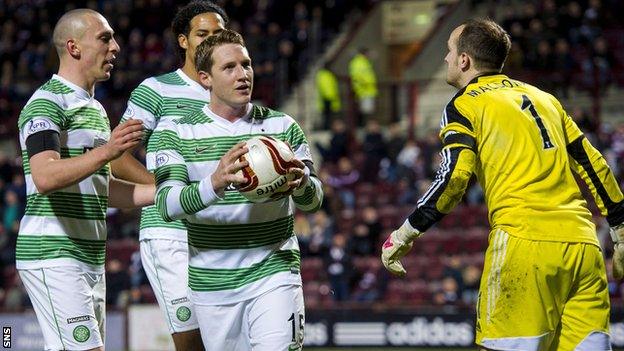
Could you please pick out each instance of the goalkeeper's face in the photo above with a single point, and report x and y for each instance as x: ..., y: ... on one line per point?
x: 453, y: 71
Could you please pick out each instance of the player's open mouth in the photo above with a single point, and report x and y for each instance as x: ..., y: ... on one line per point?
x: 244, y: 88
x: 109, y: 63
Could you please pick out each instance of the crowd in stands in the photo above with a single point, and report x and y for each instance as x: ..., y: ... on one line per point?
x: 564, y: 44
x: 371, y: 182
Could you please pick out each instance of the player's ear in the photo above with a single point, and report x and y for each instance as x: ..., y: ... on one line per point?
x: 205, y: 79
x: 183, y: 41
x: 71, y: 46
x: 465, y: 61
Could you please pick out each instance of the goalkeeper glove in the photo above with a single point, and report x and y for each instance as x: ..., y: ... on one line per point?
x: 398, y: 245
x: 617, y: 234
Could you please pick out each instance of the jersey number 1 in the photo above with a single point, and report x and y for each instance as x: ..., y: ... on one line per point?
x: 526, y: 103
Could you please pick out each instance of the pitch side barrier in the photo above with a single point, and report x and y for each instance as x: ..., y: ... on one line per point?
x: 365, y: 328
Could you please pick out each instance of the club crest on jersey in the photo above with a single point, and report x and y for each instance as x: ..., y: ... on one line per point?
x: 161, y: 159
x: 37, y: 125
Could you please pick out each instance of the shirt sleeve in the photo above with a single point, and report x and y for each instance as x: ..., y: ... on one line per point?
x: 176, y: 196
x: 41, y: 114
x: 592, y: 167
x: 459, y: 154
x: 310, y: 197
x: 146, y: 105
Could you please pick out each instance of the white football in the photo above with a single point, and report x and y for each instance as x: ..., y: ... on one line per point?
x: 266, y: 176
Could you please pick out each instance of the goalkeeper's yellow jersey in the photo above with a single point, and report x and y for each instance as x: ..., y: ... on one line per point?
x: 523, y: 148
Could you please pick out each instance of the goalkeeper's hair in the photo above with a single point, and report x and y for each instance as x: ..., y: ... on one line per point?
x: 181, y: 23
x: 485, y: 42
x: 203, y: 54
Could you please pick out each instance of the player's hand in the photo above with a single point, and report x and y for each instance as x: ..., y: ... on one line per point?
x: 124, y: 137
x: 299, y: 177
x: 617, y: 234
x: 225, y: 174
x: 396, y: 246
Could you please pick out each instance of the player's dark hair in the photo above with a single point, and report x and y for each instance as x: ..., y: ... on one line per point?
x: 203, y: 53
x: 485, y: 42
x: 181, y: 23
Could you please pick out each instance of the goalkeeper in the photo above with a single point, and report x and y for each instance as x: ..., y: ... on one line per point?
x: 544, y: 283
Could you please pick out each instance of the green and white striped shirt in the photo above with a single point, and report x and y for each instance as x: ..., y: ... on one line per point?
x: 68, y: 226
x: 237, y: 249
x: 157, y: 99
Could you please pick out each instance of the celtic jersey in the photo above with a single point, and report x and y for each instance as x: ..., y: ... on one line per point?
x: 158, y: 99
x: 68, y: 226
x: 525, y: 151
x: 237, y: 249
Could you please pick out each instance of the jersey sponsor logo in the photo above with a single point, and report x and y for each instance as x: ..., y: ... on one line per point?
x: 180, y: 300
x: 161, y: 159
x: 129, y: 113
x: 79, y: 119
x: 199, y: 150
x: 37, y: 125
x: 81, y: 333
x: 78, y: 319
x: 183, y: 313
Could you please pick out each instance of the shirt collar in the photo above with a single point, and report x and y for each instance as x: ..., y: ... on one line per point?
x: 80, y: 92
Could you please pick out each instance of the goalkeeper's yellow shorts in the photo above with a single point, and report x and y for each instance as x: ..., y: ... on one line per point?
x: 541, y: 295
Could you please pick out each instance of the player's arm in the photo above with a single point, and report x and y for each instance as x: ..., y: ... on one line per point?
x: 145, y: 104
x: 50, y: 172
x: 456, y: 167
x: 591, y: 166
x: 308, y: 196
x: 123, y: 194
x: 596, y: 173
x: 127, y: 167
x: 176, y: 196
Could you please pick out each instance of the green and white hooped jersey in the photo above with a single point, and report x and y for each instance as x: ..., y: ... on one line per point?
x: 157, y: 99
x: 237, y: 249
x: 68, y: 226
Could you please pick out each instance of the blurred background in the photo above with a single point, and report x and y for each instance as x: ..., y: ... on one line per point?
x: 366, y: 81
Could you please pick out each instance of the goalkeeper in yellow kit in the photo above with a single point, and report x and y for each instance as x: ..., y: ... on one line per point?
x: 544, y: 284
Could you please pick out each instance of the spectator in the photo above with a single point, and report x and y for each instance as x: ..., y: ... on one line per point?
x: 597, y: 69
x: 360, y: 243
x: 471, y: 277
x: 117, y: 282
x: 344, y: 182
x: 328, y: 95
x: 363, y: 84
x: 338, y: 144
x: 374, y: 148
x: 337, y: 261
x: 368, y: 287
